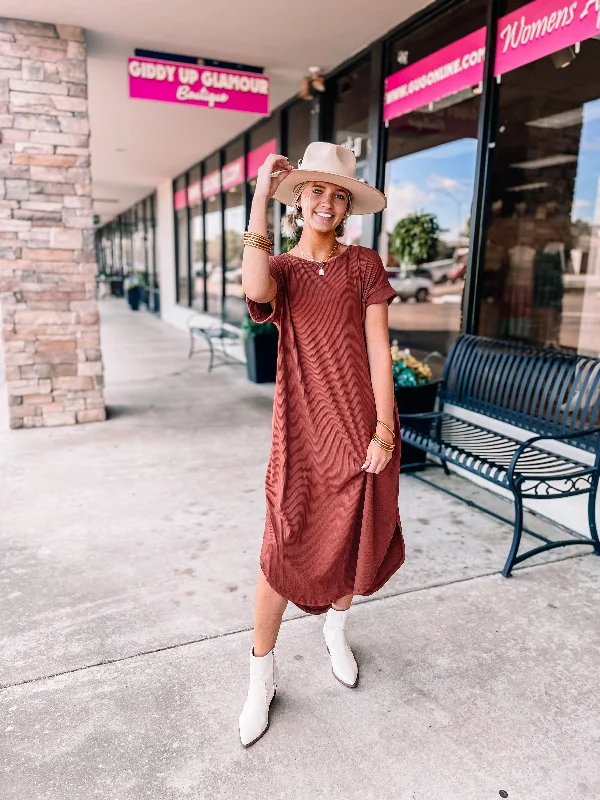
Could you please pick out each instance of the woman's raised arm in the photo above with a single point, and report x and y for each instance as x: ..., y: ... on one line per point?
x: 257, y: 282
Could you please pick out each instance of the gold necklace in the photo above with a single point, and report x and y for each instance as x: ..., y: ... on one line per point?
x: 314, y: 260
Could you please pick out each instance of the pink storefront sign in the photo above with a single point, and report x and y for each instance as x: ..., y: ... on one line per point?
x: 211, y: 184
x: 232, y: 174
x: 194, y: 193
x: 541, y: 28
x: 443, y: 73
x: 180, y: 199
x: 185, y: 84
x: 256, y: 158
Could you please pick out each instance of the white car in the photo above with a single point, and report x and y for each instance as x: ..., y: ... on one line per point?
x: 438, y: 271
x: 412, y: 286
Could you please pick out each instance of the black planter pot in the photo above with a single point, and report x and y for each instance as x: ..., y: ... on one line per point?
x: 261, y: 356
x: 416, y: 400
x: 133, y: 298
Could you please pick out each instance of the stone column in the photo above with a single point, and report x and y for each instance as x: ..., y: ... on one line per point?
x: 50, y: 325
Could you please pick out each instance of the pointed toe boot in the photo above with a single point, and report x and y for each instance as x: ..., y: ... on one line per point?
x: 343, y: 663
x: 254, y: 719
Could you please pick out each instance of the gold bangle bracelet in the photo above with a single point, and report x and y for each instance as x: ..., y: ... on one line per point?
x: 258, y: 247
x: 255, y: 239
x: 252, y: 240
x: 379, y: 422
x: 382, y: 443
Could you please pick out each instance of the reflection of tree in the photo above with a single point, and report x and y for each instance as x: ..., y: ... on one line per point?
x: 580, y: 227
x: 213, y: 250
x: 234, y: 246
x: 414, y: 239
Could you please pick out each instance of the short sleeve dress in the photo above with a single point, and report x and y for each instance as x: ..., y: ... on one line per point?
x: 331, y: 529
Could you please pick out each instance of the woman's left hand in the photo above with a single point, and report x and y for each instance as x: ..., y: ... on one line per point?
x: 377, y: 459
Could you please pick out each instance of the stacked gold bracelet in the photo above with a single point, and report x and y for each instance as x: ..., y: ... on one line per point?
x: 381, y: 442
x: 257, y: 240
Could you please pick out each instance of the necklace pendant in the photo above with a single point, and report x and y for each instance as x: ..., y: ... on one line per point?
x: 321, y: 271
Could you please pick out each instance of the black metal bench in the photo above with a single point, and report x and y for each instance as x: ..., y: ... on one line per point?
x: 552, y: 395
x: 218, y: 339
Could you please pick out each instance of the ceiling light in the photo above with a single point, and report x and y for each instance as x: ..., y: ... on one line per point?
x: 120, y: 149
x: 548, y: 161
x: 565, y: 119
x: 316, y: 79
x: 562, y: 58
x: 104, y: 200
x: 528, y: 187
x: 305, y: 90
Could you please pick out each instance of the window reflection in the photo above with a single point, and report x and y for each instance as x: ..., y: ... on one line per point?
x: 542, y: 265
x: 235, y: 223
x: 350, y: 129
x: 430, y: 171
x: 181, y: 232
x: 211, y: 190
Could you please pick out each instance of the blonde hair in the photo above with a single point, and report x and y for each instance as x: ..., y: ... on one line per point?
x: 289, y: 224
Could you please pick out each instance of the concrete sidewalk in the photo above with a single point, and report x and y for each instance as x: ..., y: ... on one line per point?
x: 129, y: 555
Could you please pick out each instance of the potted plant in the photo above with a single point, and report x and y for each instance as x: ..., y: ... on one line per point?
x: 416, y: 393
x: 260, y: 344
x: 131, y: 285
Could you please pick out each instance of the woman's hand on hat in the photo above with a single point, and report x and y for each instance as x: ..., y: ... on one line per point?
x: 273, y: 172
x: 377, y: 459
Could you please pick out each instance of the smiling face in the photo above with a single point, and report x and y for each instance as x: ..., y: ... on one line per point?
x: 324, y: 205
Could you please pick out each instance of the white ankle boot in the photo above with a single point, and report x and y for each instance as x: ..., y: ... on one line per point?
x: 343, y: 663
x: 254, y: 719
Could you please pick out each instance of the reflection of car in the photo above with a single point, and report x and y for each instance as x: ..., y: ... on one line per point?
x: 411, y: 285
x: 457, y: 272
x: 436, y: 271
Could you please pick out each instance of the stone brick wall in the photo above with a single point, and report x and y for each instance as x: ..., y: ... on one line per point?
x: 50, y: 326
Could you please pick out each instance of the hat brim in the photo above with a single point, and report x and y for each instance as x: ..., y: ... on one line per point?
x: 365, y: 199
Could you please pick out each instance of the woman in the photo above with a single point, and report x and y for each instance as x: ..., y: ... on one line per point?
x: 333, y: 527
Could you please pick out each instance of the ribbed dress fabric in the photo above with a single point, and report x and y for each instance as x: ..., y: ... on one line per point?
x: 331, y: 529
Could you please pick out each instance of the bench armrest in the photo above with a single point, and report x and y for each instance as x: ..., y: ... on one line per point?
x: 423, y: 415
x: 529, y: 442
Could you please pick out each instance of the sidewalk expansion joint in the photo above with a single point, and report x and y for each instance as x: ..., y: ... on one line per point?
x: 225, y: 634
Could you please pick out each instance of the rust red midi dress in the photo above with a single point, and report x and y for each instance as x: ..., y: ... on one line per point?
x: 331, y: 529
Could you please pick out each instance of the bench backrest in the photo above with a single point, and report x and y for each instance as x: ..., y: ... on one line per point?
x: 547, y: 392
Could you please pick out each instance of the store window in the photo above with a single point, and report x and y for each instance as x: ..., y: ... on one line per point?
x: 298, y: 130
x: 431, y: 152
x: 541, y: 275
x: 194, y: 198
x: 233, y: 178
x: 213, y: 233
x: 127, y: 241
x: 351, y: 128
x: 153, y: 278
x: 138, y: 244
x: 126, y: 246
x: 263, y: 141
x: 182, y: 266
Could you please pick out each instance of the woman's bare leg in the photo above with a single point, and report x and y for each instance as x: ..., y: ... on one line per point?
x: 268, y: 611
x: 344, y: 603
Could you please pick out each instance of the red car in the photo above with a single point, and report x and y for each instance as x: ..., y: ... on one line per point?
x: 458, y: 271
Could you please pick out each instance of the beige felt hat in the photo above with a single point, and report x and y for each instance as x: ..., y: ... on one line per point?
x: 332, y: 163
